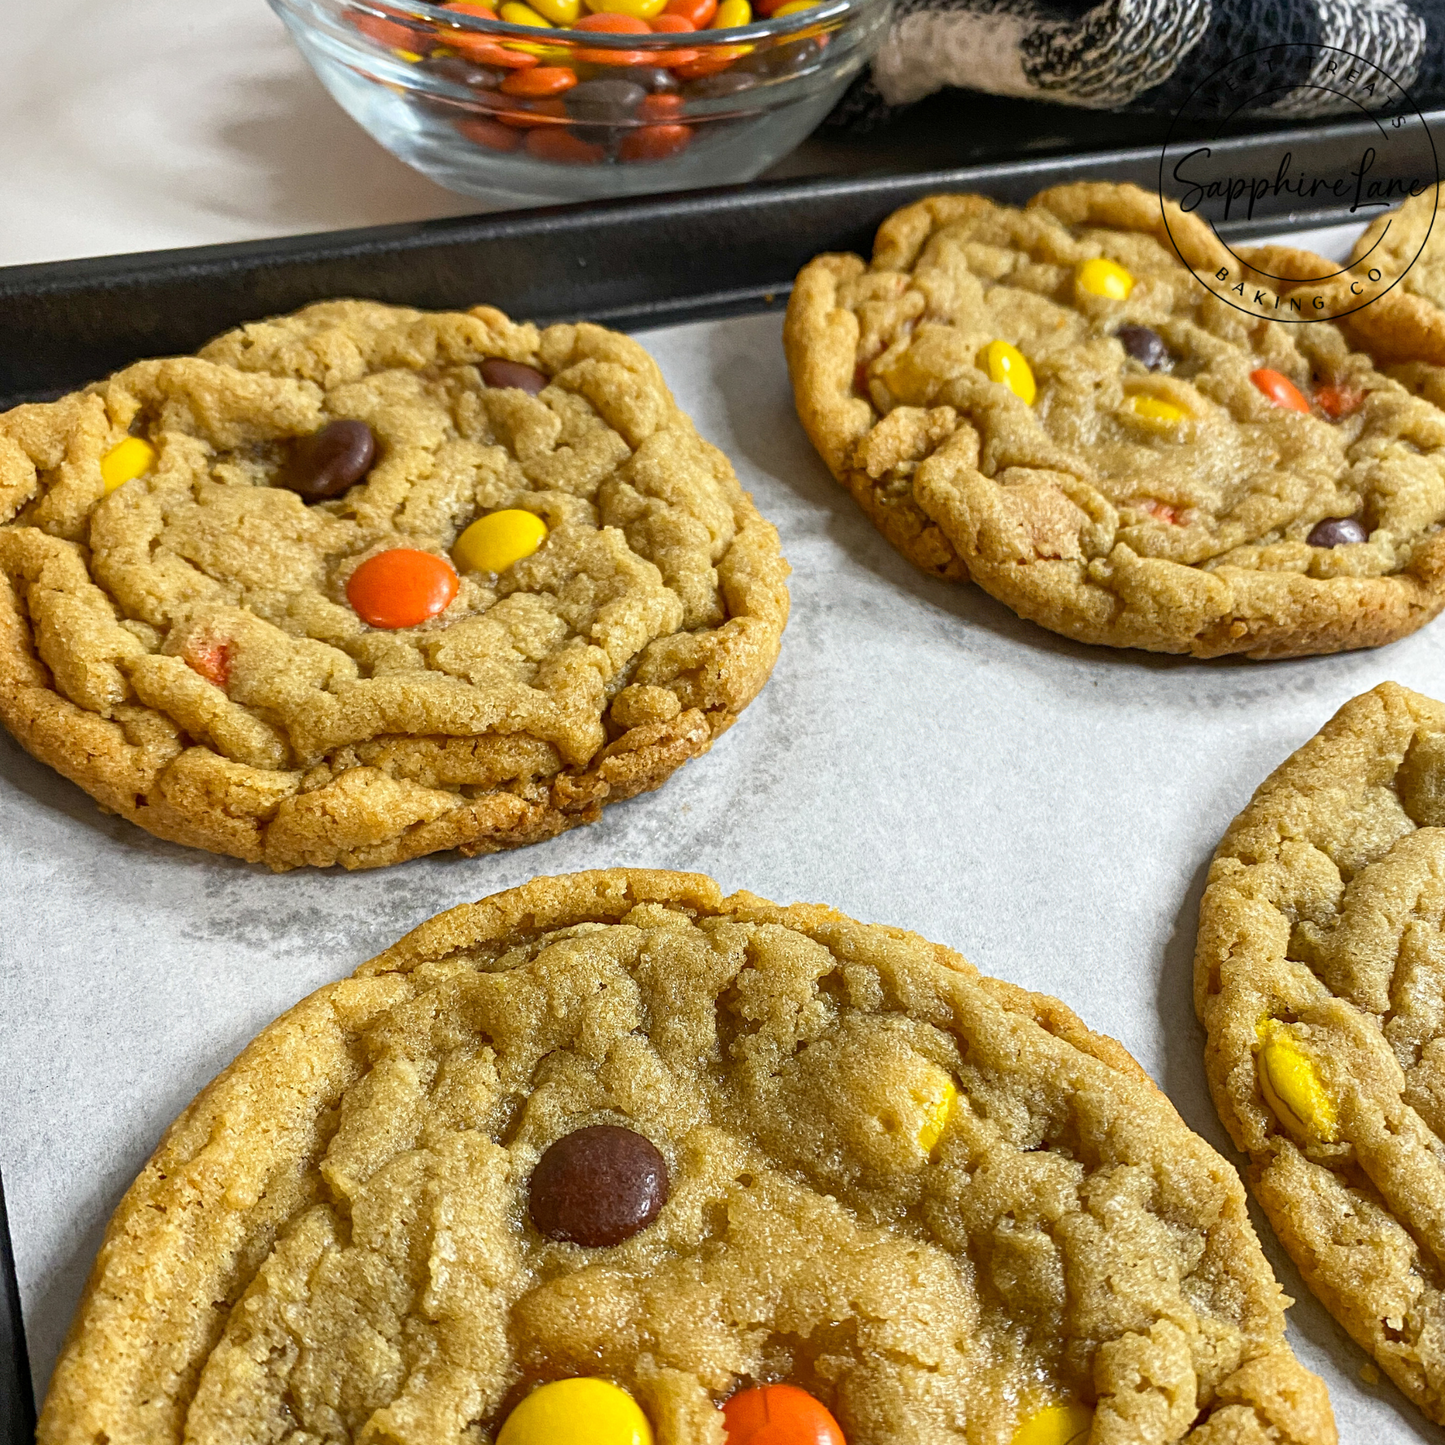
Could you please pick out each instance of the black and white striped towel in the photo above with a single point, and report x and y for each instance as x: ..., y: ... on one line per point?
x: 1143, y: 54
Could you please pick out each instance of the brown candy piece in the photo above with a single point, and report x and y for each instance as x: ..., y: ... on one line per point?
x: 329, y: 462
x: 1145, y: 345
x: 1336, y: 532
x: 498, y: 372
x: 597, y: 1186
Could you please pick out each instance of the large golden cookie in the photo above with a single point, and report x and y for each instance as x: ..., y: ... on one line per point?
x: 584, y: 674
x: 333, y: 1241
x: 1403, y: 316
x: 1320, y: 978
x: 1090, y: 511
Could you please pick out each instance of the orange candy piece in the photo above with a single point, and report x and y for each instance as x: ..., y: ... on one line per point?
x: 699, y: 12
x: 1337, y: 401
x: 610, y: 22
x: 212, y: 659
x: 654, y: 142
x: 779, y: 1415
x: 673, y: 25
x: 401, y: 588
x: 490, y: 133
x: 487, y: 52
x: 716, y: 58
x: 1280, y: 389
x: 482, y: 48
x: 561, y: 147
x: 539, y: 112
x: 544, y: 80
x: 660, y: 107
x: 385, y: 32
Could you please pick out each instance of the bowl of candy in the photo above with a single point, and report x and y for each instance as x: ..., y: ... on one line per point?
x: 538, y: 100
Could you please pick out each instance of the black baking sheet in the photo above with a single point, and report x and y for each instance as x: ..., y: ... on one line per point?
x: 682, y: 257
x: 654, y: 262
x: 17, y: 1401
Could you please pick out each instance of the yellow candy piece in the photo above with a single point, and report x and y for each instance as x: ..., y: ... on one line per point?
x: 126, y: 461
x: 1101, y: 277
x: 938, y: 1101
x: 642, y: 9
x: 1150, y: 408
x: 497, y: 541
x: 1293, y: 1089
x: 560, y: 12
x: 793, y: 7
x: 585, y: 1411
x: 732, y: 13
x: 515, y: 13
x: 1006, y: 364
x: 1056, y: 1425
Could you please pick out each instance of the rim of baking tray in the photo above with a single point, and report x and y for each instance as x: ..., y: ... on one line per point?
x: 605, y: 39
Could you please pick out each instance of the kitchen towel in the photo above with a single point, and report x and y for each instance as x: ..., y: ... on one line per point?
x: 1152, y: 55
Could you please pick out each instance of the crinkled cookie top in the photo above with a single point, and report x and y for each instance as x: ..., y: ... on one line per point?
x: 1320, y: 977
x: 334, y: 1243
x: 1396, y: 281
x: 1152, y: 493
x: 185, y: 648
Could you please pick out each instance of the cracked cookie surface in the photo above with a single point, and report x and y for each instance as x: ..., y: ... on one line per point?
x: 183, y: 646
x: 1320, y: 979
x: 333, y: 1242
x: 1165, y: 507
x: 1398, y: 267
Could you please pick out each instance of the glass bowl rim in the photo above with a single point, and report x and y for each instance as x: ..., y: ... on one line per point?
x: 399, y: 10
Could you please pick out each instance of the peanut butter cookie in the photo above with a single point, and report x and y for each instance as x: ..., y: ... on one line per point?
x: 1320, y: 978
x: 362, y: 583
x: 615, y: 1148
x: 1046, y: 400
x: 1397, y: 270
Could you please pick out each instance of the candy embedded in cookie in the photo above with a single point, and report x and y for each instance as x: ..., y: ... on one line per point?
x: 497, y: 371
x: 1337, y: 401
x: 1280, y: 390
x: 1318, y: 977
x: 1154, y: 410
x: 1337, y: 532
x: 211, y: 658
x: 365, y: 583
x: 1007, y: 365
x: 615, y: 1148
x: 1056, y: 1425
x: 579, y: 1411
x: 597, y: 1186
x: 499, y: 540
x: 1139, y: 387
x: 779, y: 1415
x: 329, y: 462
x: 1101, y: 277
x: 1146, y: 346
x: 401, y: 587
x: 1291, y: 1085
x: 125, y: 461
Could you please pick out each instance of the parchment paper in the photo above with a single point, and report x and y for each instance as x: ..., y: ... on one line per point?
x: 920, y: 757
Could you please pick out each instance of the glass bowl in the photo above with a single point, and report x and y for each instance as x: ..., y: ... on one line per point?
x: 518, y: 114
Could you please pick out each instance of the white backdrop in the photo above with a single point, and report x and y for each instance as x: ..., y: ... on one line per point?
x: 133, y: 125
